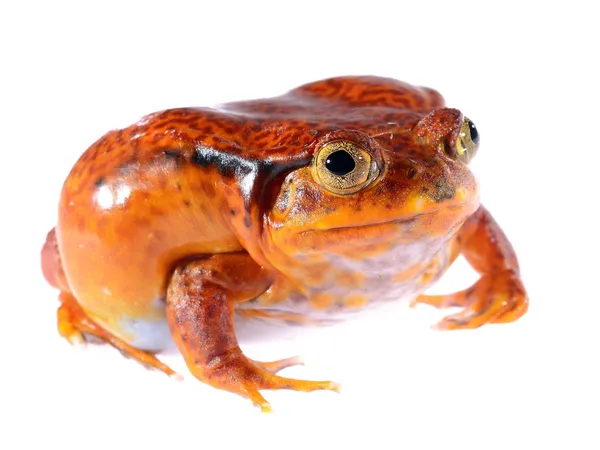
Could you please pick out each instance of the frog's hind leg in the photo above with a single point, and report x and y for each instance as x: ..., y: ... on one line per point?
x: 200, y: 311
x: 77, y: 328
x: 499, y: 295
x: 74, y: 324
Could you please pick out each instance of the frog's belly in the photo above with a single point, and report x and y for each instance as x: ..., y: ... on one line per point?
x: 335, y: 301
x: 322, y: 309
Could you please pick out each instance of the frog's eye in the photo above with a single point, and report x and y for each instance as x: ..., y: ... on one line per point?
x: 344, y: 167
x: 467, y: 141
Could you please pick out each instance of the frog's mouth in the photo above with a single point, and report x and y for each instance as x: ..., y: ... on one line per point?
x: 357, y: 238
x: 439, y: 217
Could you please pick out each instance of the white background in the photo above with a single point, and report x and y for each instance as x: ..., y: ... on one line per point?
x: 525, y: 72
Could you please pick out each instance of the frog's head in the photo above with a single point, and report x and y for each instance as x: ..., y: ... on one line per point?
x: 364, y: 191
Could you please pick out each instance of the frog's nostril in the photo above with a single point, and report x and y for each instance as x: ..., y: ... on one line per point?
x: 442, y: 190
x: 411, y: 172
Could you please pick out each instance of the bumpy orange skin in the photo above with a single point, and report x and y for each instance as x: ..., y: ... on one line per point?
x: 170, y: 226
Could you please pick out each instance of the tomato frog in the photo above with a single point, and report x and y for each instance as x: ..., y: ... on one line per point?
x: 306, y: 208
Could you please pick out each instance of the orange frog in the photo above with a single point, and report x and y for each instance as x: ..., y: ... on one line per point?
x: 337, y: 196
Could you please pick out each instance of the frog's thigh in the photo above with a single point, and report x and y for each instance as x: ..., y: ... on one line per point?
x: 499, y: 295
x: 200, y: 310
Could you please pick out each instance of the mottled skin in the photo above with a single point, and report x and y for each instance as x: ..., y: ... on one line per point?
x: 190, y: 215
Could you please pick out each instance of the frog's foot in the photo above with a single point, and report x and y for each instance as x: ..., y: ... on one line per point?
x: 242, y: 376
x: 200, y: 310
x: 77, y: 328
x: 495, y: 298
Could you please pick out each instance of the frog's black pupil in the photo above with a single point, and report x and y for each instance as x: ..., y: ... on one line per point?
x: 340, y: 163
x: 474, y: 133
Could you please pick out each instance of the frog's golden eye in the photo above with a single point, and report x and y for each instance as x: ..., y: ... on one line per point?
x: 467, y: 141
x: 344, y: 167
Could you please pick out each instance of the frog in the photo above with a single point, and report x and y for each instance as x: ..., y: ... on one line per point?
x: 302, y: 209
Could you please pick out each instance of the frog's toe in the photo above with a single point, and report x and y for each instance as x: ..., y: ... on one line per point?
x: 466, y: 319
x: 276, y: 366
x: 440, y: 301
x: 495, y: 298
x: 67, y: 328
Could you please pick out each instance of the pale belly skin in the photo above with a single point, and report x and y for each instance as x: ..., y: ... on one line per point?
x: 308, y: 208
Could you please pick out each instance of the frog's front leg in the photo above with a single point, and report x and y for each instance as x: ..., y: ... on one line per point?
x: 499, y: 295
x: 200, y: 310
